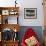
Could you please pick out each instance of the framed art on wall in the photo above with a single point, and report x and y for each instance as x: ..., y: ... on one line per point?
x: 30, y: 13
x: 5, y: 12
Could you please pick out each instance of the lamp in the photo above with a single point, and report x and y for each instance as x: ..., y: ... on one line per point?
x: 15, y: 3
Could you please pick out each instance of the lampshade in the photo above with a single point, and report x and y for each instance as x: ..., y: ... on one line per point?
x: 15, y: 30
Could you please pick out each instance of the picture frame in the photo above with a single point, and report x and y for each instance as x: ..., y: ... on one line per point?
x: 30, y: 13
x: 5, y: 12
x: 13, y: 12
x: 6, y: 34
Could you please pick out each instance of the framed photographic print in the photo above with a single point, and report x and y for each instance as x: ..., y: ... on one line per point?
x: 5, y: 12
x: 30, y: 13
x: 13, y: 12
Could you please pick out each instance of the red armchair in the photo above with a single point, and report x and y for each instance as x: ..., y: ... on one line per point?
x: 29, y: 36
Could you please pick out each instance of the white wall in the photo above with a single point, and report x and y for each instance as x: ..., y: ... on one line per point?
x: 32, y: 4
x: 27, y: 4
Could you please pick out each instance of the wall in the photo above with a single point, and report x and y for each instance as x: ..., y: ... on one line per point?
x: 32, y: 4
x: 27, y: 4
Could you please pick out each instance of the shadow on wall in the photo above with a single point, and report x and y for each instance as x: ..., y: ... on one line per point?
x: 37, y: 29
